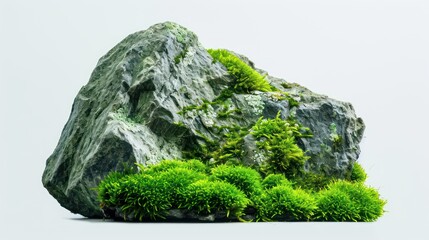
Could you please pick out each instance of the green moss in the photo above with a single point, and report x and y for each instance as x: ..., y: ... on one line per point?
x: 345, y: 201
x: 123, y: 116
x: 204, y: 150
x: 180, y: 124
x: 358, y: 174
x: 335, y: 138
x: 312, y: 182
x: 292, y: 102
x: 246, y: 79
x: 246, y: 179
x: 203, y: 107
x: 178, y: 58
x: 234, y: 191
x: 177, y: 180
x: 274, y: 180
x: 231, y: 148
x: 166, y: 165
x: 143, y: 196
x: 286, y: 85
x: 285, y: 203
x: 277, y: 137
x: 205, y: 197
x: 226, y: 112
x: 223, y: 96
x: 281, y: 96
x: 109, y: 189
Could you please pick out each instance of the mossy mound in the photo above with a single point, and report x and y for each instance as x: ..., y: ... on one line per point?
x: 191, y: 191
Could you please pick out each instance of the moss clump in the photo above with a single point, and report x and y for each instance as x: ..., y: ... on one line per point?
x: 194, y: 165
x: 230, y: 151
x: 274, y: 180
x: 312, y: 181
x: 231, y: 192
x: 246, y: 79
x: 143, y: 196
x: 346, y: 201
x: 246, y: 179
x: 277, y: 137
x: 285, y: 203
x: 178, y: 58
x: 109, y: 189
x: 205, y: 197
x: 358, y: 174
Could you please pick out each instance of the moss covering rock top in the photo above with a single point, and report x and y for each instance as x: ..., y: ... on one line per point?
x: 159, y: 94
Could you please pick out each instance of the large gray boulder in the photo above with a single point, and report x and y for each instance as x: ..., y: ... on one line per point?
x: 132, y: 111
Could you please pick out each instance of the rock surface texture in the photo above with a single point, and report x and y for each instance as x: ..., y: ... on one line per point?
x: 132, y: 111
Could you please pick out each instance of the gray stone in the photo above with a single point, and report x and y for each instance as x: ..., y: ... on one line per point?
x: 336, y: 128
x: 130, y: 112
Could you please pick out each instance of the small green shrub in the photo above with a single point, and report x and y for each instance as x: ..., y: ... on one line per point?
x: 358, y: 174
x: 244, y: 178
x: 205, y: 197
x: 277, y: 137
x: 286, y: 203
x: 246, y: 79
x: 274, y: 180
x: 345, y: 201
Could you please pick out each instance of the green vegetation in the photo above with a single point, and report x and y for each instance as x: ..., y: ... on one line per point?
x: 203, y: 107
x: 109, y: 190
x: 277, y: 137
x: 205, y: 197
x: 246, y: 79
x: 285, y: 203
x: 358, y: 174
x: 166, y: 165
x: 287, y: 85
x: 245, y: 179
x: 335, y: 138
x: 274, y: 180
x: 231, y: 192
x: 230, y: 151
x: 346, y: 201
x: 178, y: 58
x: 313, y: 181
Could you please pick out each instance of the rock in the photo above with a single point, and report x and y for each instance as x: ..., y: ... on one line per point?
x: 151, y: 98
x: 336, y: 128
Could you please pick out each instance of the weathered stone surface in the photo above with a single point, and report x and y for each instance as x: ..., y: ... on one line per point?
x: 130, y: 111
x: 336, y: 128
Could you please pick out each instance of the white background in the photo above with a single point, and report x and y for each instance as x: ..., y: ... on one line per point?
x: 374, y: 54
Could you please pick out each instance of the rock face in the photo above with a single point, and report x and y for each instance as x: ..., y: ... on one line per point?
x: 132, y: 111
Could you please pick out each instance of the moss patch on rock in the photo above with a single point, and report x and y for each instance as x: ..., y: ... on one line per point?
x: 190, y: 190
